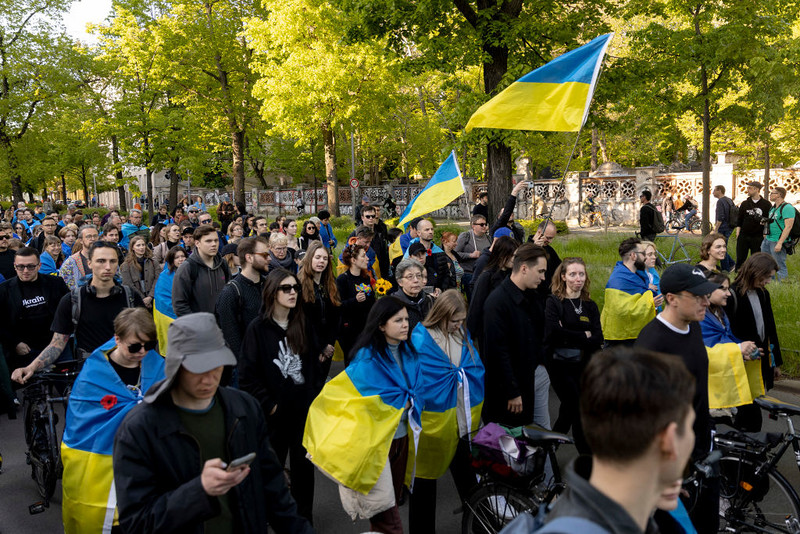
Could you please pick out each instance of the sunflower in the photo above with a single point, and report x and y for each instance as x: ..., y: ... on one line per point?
x: 382, y: 287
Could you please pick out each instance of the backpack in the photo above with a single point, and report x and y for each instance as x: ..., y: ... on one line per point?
x: 527, y: 523
x: 794, y: 233
x: 733, y: 214
x: 658, y: 220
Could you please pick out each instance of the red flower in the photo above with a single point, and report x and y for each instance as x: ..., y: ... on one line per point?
x: 108, y: 402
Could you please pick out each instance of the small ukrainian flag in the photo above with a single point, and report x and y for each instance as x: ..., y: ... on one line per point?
x: 553, y: 98
x: 445, y: 186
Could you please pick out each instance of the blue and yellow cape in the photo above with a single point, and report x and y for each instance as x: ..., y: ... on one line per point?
x: 163, y: 314
x: 628, y: 304
x: 97, y: 405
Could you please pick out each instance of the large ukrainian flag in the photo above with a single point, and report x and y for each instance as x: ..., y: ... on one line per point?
x: 628, y: 304
x: 163, y: 314
x: 731, y: 380
x: 555, y: 97
x: 441, y: 380
x: 352, y: 422
x: 445, y: 186
x: 97, y: 405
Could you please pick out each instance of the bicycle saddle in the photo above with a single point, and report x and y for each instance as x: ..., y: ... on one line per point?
x: 773, y: 405
x: 536, y: 433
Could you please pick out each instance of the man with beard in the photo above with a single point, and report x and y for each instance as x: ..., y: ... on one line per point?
x: 629, y: 302
x: 677, y: 331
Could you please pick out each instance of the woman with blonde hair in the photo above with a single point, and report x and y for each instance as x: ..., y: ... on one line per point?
x: 572, y: 333
x: 140, y: 271
x: 650, y: 259
x: 52, y: 255
x: 235, y: 232
x: 68, y: 235
x: 320, y: 302
x: 452, y: 377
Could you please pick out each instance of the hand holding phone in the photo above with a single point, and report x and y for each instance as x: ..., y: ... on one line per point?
x: 242, y: 462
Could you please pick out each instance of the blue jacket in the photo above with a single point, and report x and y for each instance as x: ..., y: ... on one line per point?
x: 48, y: 264
x: 326, y: 235
x: 129, y: 229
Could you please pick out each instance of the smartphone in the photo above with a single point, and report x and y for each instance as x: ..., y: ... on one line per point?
x: 241, y: 462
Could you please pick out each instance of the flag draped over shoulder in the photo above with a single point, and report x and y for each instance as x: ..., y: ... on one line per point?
x: 441, y: 380
x: 628, y: 304
x: 554, y: 98
x: 352, y: 422
x: 445, y: 186
x: 732, y: 381
x: 163, y: 314
x: 97, y: 405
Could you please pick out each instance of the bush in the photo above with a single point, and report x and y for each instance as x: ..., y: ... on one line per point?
x: 530, y: 225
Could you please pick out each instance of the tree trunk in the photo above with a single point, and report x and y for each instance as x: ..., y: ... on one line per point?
x: 85, y: 183
x: 601, y: 141
x: 330, y: 168
x: 706, y: 224
x: 593, y: 164
x: 766, y: 164
x: 149, y: 177
x: 174, y: 181
x: 498, y: 155
x: 118, y: 178
x: 13, y: 169
x: 237, y: 148
x: 63, y: 188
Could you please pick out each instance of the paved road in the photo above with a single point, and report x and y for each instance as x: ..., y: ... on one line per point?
x: 17, y: 490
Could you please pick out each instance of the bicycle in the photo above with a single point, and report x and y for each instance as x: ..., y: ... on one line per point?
x: 680, y: 252
x: 508, y: 488
x: 677, y: 222
x: 754, y: 495
x: 41, y: 434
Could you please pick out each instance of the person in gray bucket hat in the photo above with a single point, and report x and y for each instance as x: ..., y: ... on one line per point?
x: 196, y: 457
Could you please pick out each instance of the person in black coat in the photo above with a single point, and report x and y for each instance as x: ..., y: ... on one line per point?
x: 320, y: 303
x: 512, y: 340
x: 749, y: 309
x: 166, y: 481
x: 279, y: 366
x: 572, y: 333
x: 750, y: 228
x: 357, y: 295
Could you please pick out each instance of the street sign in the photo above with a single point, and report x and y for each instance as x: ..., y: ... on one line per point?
x: 354, y: 183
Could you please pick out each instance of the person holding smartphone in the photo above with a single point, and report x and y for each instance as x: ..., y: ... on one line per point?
x: 172, y: 452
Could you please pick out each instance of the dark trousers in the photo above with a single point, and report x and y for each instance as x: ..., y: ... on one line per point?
x: 748, y: 418
x: 565, y: 377
x: 747, y: 244
x: 422, y: 505
x: 388, y: 521
x: 618, y: 343
x: 286, y: 436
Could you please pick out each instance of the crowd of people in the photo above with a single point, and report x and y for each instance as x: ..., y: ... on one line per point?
x: 207, y: 340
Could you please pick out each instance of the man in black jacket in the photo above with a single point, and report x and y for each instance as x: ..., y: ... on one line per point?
x: 174, y: 454
x: 647, y: 217
x: 512, y: 329
x: 750, y: 231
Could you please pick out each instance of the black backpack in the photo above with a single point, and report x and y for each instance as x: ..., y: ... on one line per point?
x: 733, y: 214
x: 658, y: 220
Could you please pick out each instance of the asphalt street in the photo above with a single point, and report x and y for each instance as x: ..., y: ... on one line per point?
x: 18, y: 491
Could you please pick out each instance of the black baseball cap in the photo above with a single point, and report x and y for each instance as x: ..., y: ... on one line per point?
x: 681, y: 277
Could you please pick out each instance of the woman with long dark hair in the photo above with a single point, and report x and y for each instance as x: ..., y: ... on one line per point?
x: 359, y: 427
x: 163, y: 313
x: 749, y: 309
x: 572, y: 333
x: 357, y: 293
x: 497, y: 269
x: 173, y: 238
x: 309, y: 234
x: 320, y: 302
x: 453, y: 387
x: 140, y: 271
x: 278, y: 366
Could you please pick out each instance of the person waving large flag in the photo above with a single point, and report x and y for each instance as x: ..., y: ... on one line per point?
x: 555, y: 97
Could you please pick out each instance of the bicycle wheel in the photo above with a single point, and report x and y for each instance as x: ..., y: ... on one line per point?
x: 695, y: 226
x: 673, y: 226
x: 40, y: 457
x: 750, y: 504
x: 494, y: 506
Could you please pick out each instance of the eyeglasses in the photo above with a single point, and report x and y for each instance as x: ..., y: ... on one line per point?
x: 279, y: 249
x: 205, y: 221
x: 479, y: 224
x: 22, y: 267
x: 369, y: 216
x: 413, y: 277
x: 288, y: 288
x: 264, y: 255
x: 148, y: 346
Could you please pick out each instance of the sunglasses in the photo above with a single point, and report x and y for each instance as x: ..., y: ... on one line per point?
x: 369, y: 216
x: 264, y: 255
x: 205, y: 221
x: 288, y: 288
x: 479, y: 224
x: 5, y: 237
x: 136, y: 347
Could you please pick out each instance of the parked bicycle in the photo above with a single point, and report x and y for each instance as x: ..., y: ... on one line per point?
x: 679, y: 250
x: 677, y: 222
x: 754, y: 495
x: 508, y: 487
x: 41, y: 422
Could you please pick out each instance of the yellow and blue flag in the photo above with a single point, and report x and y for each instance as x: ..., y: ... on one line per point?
x: 97, y: 405
x: 352, y: 422
x: 628, y: 305
x: 163, y: 314
x: 445, y: 186
x: 732, y: 381
x: 553, y: 98
x: 443, y: 383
